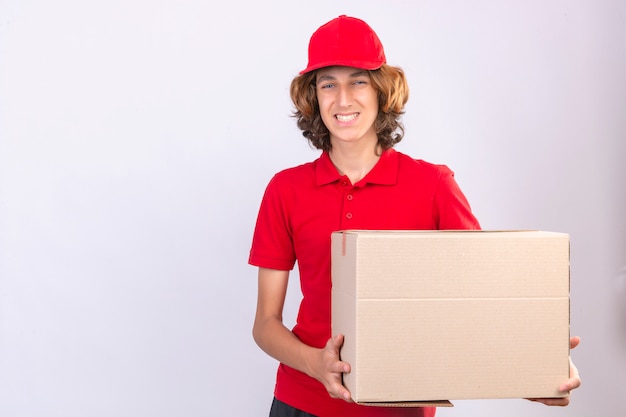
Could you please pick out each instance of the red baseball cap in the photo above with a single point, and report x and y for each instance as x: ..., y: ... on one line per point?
x: 345, y: 41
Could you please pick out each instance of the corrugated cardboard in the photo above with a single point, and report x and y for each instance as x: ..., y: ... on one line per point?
x: 445, y: 315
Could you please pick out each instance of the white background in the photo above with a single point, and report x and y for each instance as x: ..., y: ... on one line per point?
x: 137, y: 137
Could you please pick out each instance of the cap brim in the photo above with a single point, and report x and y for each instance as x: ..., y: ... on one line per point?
x: 355, y: 64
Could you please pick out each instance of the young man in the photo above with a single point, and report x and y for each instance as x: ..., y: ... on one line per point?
x: 348, y: 103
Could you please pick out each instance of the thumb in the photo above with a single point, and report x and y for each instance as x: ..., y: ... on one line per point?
x: 334, y: 344
x: 336, y: 341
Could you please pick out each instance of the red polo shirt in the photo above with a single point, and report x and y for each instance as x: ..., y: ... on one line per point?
x: 300, y: 209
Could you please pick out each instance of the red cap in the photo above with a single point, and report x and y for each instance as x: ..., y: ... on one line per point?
x: 345, y: 41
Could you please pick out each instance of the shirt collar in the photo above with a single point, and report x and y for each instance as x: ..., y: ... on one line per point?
x: 385, y: 172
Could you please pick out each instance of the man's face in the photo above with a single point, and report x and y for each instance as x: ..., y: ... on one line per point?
x: 348, y: 104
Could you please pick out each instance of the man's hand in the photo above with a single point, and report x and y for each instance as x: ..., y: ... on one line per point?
x: 326, y: 367
x: 572, y: 383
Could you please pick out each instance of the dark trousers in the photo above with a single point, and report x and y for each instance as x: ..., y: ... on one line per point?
x: 280, y: 409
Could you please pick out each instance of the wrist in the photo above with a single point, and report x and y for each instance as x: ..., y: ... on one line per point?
x: 309, y: 356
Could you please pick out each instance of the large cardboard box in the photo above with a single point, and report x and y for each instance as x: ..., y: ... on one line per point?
x: 445, y: 315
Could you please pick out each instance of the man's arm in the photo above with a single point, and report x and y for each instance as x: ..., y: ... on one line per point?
x: 279, y: 342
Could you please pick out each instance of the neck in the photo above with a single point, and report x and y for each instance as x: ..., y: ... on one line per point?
x: 355, y: 162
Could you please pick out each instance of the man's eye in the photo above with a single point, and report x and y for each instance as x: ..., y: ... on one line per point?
x: 326, y: 86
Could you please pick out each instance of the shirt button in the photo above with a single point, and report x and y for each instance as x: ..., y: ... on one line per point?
x: 344, y: 183
x: 348, y: 215
x: 349, y: 197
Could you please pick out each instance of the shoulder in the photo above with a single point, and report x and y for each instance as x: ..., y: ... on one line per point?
x: 422, y: 167
x: 294, y: 174
x: 290, y: 180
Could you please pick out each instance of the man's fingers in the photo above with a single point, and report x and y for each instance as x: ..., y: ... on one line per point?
x: 561, y: 402
x: 340, y: 367
x: 335, y: 342
x: 339, y: 391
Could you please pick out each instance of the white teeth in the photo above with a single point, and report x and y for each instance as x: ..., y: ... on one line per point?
x: 348, y: 118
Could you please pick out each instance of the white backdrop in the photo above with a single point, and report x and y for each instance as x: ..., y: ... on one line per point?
x: 137, y: 136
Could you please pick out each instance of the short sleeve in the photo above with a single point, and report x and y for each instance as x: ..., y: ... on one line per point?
x: 272, y: 244
x: 452, y: 209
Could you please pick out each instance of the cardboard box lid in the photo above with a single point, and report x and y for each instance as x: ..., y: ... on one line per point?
x: 375, y: 255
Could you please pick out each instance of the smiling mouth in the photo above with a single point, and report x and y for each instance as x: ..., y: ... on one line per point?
x: 346, y: 118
